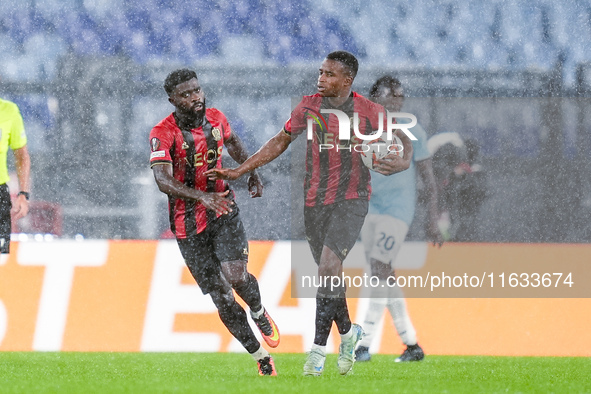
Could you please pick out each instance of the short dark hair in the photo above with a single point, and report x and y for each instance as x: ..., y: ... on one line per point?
x: 177, y: 77
x: 386, y: 81
x: 346, y: 59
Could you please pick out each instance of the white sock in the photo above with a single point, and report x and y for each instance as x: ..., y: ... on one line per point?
x: 319, y: 348
x: 346, y: 336
x: 256, y: 315
x: 377, y: 303
x: 397, y: 309
x: 260, y: 354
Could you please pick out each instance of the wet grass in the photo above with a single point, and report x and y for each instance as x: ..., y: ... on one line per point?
x: 33, y: 372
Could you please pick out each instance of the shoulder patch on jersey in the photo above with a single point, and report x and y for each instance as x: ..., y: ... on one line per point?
x: 159, y: 153
x: 155, y: 144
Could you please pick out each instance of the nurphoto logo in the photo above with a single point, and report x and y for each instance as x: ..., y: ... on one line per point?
x: 345, y: 124
x: 329, y: 141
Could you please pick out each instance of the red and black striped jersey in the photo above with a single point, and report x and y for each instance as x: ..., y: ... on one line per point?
x: 191, y: 153
x: 334, y: 169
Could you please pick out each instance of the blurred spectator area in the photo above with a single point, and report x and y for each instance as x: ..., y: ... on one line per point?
x: 423, y: 33
x: 88, y: 136
x: 39, y: 111
x: 37, y: 33
x: 87, y: 76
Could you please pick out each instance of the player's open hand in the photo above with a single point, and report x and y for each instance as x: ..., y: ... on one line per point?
x: 20, y: 208
x: 391, y: 164
x: 255, y: 186
x: 228, y: 174
x: 218, y: 202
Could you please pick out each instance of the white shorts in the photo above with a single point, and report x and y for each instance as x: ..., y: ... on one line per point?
x: 382, y: 237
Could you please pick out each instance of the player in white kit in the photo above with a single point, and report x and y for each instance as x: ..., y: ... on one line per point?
x: 391, y: 211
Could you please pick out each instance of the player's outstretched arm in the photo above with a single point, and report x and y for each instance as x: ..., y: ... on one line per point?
x: 425, y: 168
x: 268, y: 152
x: 391, y: 164
x: 238, y: 152
x: 217, y: 202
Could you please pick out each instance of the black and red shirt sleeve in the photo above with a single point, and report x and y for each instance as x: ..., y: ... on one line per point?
x: 161, y: 144
x: 298, y: 121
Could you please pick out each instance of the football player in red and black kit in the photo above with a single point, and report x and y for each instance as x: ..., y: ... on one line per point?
x: 337, y: 190
x: 203, y: 214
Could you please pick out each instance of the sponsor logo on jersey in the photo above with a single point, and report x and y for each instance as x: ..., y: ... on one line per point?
x: 199, y: 158
x: 185, y: 146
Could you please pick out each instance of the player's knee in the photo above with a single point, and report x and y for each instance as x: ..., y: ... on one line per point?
x: 238, y: 279
x: 329, y: 268
x: 381, y: 270
x: 382, y: 274
x: 330, y: 264
x: 235, y: 273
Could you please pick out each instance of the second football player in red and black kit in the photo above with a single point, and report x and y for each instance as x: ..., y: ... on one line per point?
x: 337, y: 190
x: 203, y: 214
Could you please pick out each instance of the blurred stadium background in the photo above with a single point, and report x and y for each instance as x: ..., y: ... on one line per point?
x: 87, y: 75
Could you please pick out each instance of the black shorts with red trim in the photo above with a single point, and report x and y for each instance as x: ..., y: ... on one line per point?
x: 336, y: 226
x: 224, y: 239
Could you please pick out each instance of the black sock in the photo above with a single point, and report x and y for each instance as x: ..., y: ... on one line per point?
x: 250, y: 293
x: 234, y: 318
x: 342, y: 318
x: 325, y: 313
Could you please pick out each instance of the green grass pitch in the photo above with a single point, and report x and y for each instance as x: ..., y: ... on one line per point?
x: 34, y: 372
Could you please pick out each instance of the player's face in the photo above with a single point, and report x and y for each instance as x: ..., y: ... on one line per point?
x: 333, y: 79
x: 188, y: 98
x: 391, y: 99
